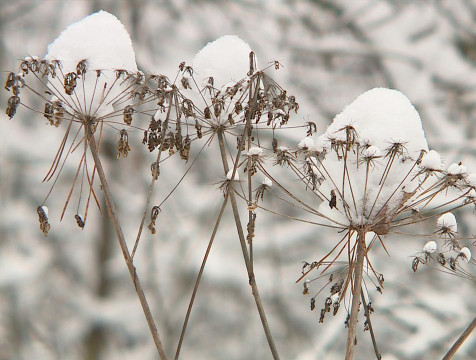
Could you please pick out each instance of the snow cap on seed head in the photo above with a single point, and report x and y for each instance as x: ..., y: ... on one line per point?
x: 447, y: 221
x: 227, y: 60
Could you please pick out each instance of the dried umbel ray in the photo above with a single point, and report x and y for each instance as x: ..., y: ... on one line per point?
x: 87, y: 101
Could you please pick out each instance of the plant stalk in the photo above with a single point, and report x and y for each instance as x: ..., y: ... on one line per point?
x: 449, y: 355
x: 251, y: 276
x: 357, y: 273
x: 111, y: 210
x: 199, y: 276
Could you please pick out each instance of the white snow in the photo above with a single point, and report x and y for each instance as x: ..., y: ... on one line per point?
x: 465, y: 253
x: 372, y: 152
x: 105, y: 44
x: 267, y: 181
x: 457, y: 169
x: 447, y: 221
x: 306, y: 143
x: 335, y: 297
x: 379, y: 118
x: 283, y: 148
x: 230, y: 173
x: 471, y: 179
x: 45, y: 210
x: 383, y: 116
x: 99, y: 38
x: 322, y: 144
x: 430, y: 247
x: 431, y: 161
x: 226, y: 59
x: 254, y: 150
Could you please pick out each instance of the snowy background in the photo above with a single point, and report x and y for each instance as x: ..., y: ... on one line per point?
x: 69, y: 296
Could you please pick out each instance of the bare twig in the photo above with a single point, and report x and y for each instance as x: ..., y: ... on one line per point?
x: 449, y: 355
x: 111, y: 210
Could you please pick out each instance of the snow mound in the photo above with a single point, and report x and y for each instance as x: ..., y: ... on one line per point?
x: 447, y: 221
x: 102, y: 43
x: 430, y: 247
x: 226, y: 59
x: 378, y: 126
x: 431, y: 161
x: 382, y: 116
x: 100, y: 38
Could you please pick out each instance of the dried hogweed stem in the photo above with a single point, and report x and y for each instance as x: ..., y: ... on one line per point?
x: 111, y: 209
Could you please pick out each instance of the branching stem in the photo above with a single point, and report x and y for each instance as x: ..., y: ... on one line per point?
x: 111, y: 210
x: 251, y: 276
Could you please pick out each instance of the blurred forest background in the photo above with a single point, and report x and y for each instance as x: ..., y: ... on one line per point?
x: 69, y: 296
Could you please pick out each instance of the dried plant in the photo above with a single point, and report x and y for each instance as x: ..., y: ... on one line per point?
x: 363, y: 185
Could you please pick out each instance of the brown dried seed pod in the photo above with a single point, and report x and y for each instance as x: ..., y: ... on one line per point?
x: 415, y: 263
x: 441, y: 259
x: 323, y: 314
x: 185, y: 83
x: 230, y: 119
x: 128, y: 111
x: 154, y: 212
x: 58, y: 112
x: 24, y: 67
x: 81, y: 68
x: 313, y: 303
x: 185, y: 151
x: 336, y: 308
x: 10, y: 81
x: 207, y: 113
x: 79, y: 221
x: 12, y: 106
x: 198, y: 127
x: 452, y: 263
x: 123, y: 147
x: 43, y: 219
x: 70, y: 83
x: 49, y: 112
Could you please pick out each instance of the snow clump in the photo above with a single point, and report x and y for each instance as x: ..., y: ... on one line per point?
x: 457, y: 169
x: 226, y: 59
x: 465, y: 253
x: 430, y: 247
x: 380, y: 125
x: 431, y: 161
x: 103, y: 44
x: 447, y: 222
x: 306, y: 143
x: 255, y: 151
x: 230, y: 173
x: 267, y: 181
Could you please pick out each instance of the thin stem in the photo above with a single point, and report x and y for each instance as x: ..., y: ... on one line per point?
x: 152, y: 181
x: 111, y: 210
x: 251, y: 276
x: 354, y: 311
x: 449, y: 355
x: 202, y: 267
x: 372, y: 334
